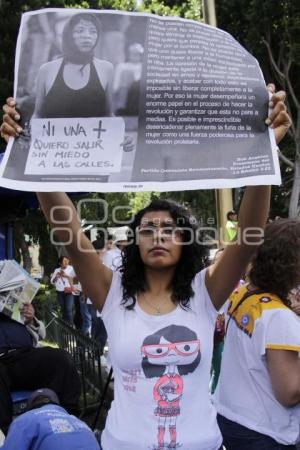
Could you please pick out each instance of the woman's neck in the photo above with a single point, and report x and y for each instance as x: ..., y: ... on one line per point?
x: 159, y: 282
x: 76, y: 65
x: 157, y: 298
x: 79, y: 58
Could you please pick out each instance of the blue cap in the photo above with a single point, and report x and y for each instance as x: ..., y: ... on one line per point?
x: 46, y: 396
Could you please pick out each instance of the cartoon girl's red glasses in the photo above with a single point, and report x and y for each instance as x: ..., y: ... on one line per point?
x: 181, y: 348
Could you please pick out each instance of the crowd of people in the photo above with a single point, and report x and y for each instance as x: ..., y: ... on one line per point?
x: 76, y: 308
x: 160, y: 308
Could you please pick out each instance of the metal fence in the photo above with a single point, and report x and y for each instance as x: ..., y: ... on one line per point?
x: 86, y: 354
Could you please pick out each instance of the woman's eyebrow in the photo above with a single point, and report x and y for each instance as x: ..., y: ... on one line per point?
x: 156, y: 223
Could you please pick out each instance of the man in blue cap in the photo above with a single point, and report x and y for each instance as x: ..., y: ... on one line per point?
x: 48, y: 426
x: 25, y: 366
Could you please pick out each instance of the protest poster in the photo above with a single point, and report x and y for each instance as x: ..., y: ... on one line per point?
x: 139, y: 103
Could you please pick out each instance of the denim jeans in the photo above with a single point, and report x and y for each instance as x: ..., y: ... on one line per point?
x: 77, y: 319
x: 86, y: 316
x: 98, y: 328
x: 237, y: 437
x: 66, y: 302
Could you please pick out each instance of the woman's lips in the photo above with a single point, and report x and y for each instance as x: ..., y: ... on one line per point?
x: 158, y: 250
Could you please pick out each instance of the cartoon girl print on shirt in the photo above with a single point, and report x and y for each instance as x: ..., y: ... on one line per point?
x: 168, y: 354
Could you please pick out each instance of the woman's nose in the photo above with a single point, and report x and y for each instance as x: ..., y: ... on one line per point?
x: 158, y: 236
x: 86, y: 34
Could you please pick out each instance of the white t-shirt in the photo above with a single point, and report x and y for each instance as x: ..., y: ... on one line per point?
x: 112, y: 258
x: 77, y: 289
x: 161, y: 372
x: 244, y: 393
x: 61, y: 282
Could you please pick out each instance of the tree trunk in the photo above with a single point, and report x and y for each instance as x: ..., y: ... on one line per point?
x: 23, y: 246
x: 294, y: 200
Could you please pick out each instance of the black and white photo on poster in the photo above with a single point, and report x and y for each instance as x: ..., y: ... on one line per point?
x: 115, y: 101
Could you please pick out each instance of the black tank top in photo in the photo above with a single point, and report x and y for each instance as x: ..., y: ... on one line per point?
x: 62, y: 101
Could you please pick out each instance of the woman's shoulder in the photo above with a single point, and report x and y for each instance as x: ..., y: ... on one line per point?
x: 201, y: 302
x: 103, y: 65
x: 114, y: 296
x: 104, y: 70
x: 198, y: 281
x: 50, y: 68
x: 56, y: 63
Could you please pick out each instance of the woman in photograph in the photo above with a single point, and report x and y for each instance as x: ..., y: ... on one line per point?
x: 259, y: 384
x: 63, y: 85
x: 160, y: 311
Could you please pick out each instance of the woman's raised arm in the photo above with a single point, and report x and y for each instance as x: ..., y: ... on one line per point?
x: 62, y: 216
x: 223, y: 276
x: 10, y: 126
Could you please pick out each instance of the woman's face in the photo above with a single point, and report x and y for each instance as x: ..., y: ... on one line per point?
x: 64, y: 263
x: 85, y: 35
x: 159, y: 240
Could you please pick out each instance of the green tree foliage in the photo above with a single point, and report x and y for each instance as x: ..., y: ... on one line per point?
x: 117, y: 208
x: 33, y: 226
x: 201, y: 204
x: 270, y: 30
x: 189, y: 9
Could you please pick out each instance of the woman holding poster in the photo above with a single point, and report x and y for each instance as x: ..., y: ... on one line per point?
x: 160, y: 310
x: 65, y: 84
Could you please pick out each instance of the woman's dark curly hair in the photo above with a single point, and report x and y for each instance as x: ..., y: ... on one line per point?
x: 276, y: 265
x: 191, y: 260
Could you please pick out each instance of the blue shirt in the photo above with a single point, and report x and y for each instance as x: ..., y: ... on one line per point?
x: 13, y: 334
x: 49, y: 427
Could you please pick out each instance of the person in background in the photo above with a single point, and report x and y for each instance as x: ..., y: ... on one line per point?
x: 219, y: 335
x: 26, y: 366
x: 259, y: 383
x: 294, y: 297
x: 121, y: 238
x: 35, y: 326
x: 47, y: 426
x: 81, y: 320
x: 231, y: 225
x: 126, y: 82
x: 100, y: 333
x: 98, y: 330
x: 86, y: 318
x: 63, y: 282
x: 77, y: 295
x: 112, y: 257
